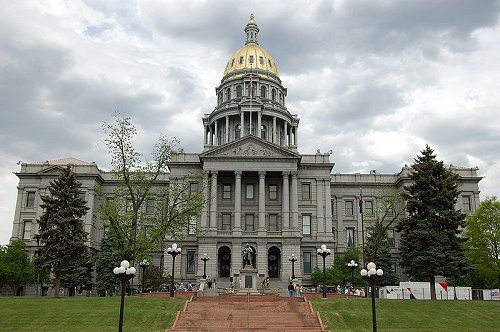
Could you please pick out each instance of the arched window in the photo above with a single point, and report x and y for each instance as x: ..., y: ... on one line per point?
x: 250, y: 129
x: 273, y: 94
x: 281, y: 98
x: 263, y: 92
x: 237, y: 131
x: 251, y: 89
x: 263, y: 132
x: 228, y: 93
x: 238, y: 91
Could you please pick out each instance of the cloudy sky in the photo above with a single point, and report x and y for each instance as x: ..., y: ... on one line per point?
x: 374, y: 81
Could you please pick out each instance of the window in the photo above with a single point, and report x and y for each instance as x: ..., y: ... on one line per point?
x: 263, y: 92
x: 306, y: 225
x: 27, y: 229
x: 273, y: 192
x: 237, y: 132
x: 349, y: 208
x: 226, y: 191
x: 273, y: 222
x: 263, y: 132
x: 249, y: 223
x: 81, y: 195
x: 251, y: 89
x: 306, y: 262
x: 239, y: 91
x: 150, y: 206
x: 334, y: 208
x: 30, y: 199
x: 368, y: 208
x: 273, y: 94
x: 192, y: 226
x: 250, y: 191
x: 350, y: 237
x: 251, y: 59
x: 306, y: 191
x: 228, y: 93
x: 390, y: 238
x: 193, y: 188
x: 232, y: 63
x: 191, y: 261
x: 241, y: 60
x: 467, y: 203
x: 334, y: 233
x: 261, y: 60
x: 226, y: 222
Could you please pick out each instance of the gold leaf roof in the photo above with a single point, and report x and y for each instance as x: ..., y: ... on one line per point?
x: 241, y: 59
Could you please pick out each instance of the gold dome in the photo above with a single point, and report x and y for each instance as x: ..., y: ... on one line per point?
x: 251, y: 56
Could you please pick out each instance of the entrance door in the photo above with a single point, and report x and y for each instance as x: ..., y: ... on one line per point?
x: 224, y: 262
x: 274, y: 262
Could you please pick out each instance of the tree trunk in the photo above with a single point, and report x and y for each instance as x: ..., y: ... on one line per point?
x: 432, y: 284
x: 57, y: 284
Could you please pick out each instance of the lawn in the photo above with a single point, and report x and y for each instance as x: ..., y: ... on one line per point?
x: 87, y: 314
x: 409, y: 315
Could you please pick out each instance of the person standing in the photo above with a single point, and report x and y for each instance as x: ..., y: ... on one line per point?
x: 291, y: 289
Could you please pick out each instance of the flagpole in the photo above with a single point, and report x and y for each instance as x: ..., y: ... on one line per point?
x: 362, y: 225
x: 250, y: 89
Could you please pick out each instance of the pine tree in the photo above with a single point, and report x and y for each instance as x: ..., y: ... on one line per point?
x: 106, y: 260
x: 62, y: 234
x: 378, y: 251
x: 430, y: 244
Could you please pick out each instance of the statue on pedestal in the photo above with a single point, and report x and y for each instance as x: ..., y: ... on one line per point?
x: 248, y: 255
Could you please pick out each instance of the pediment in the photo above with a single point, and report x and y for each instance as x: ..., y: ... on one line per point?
x: 250, y: 147
x: 52, y: 170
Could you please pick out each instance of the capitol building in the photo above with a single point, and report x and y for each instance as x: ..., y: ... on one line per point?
x: 261, y: 191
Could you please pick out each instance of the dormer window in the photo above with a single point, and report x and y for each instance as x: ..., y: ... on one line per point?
x: 251, y: 59
x: 232, y: 63
x: 261, y: 60
x: 241, y: 60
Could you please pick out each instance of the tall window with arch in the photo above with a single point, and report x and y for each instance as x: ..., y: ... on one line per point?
x: 237, y: 131
x: 228, y: 93
x: 239, y: 91
x: 263, y: 92
x: 263, y: 132
x: 273, y: 94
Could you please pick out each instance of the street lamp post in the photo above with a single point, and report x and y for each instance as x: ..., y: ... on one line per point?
x: 124, y: 272
x: 144, y: 264
x: 293, y: 259
x: 205, y: 258
x: 323, y: 252
x: 352, y: 265
x: 371, y: 272
x: 173, y: 251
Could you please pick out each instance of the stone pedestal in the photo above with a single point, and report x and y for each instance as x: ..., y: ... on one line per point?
x: 248, y: 279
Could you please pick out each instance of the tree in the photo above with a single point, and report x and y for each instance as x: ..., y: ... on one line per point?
x: 16, y: 270
x: 106, y: 261
x: 378, y: 251
x: 483, y: 233
x: 154, y: 279
x: 136, y: 230
x: 62, y: 234
x: 339, y: 273
x: 430, y: 242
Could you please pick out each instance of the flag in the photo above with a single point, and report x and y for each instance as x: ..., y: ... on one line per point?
x: 361, y: 202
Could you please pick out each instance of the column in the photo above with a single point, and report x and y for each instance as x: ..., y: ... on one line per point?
x: 211, y: 140
x: 274, y: 130
x: 295, y: 201
x: 285, y: 139
x: 237, y: 201
x: 286, y: 201
x: 296, y: 136
x: 259, y: 124
x: 216, y: 141
x: 328, y: 206
x: 242, y: 123
x: 205, y: 133
x: 227, y: 129
x: 213, y: 201
x: 204, y: 209
x: 320, y: 206
x: 262, y: 200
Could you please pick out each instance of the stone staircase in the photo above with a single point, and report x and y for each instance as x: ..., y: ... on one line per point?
x: 248, y: 313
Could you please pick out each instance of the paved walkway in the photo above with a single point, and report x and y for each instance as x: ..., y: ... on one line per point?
x: 248, y: 313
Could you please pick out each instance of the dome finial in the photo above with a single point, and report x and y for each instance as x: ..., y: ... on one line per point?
x: 251, y: 30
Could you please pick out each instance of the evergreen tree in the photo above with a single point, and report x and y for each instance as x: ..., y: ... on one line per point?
x: 430, y: 244
x: 106, y: 261
x: 16, y: 270
x: 62, y: 234
x: 378, y: 251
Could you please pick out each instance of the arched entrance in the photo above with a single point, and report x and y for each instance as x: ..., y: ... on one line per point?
x: 224, y: 262
x: 274, y: 262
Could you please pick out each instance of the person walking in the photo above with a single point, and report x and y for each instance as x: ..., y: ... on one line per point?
x: 291, y: 289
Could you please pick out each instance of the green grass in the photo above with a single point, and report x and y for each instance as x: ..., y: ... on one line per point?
x: 409, y: 315
x: 87, y: 314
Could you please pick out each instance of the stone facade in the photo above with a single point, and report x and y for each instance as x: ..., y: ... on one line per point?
x: 259, y: 189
